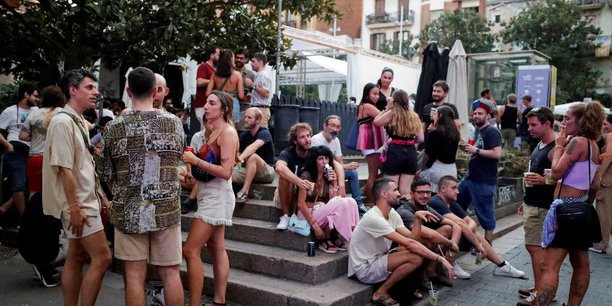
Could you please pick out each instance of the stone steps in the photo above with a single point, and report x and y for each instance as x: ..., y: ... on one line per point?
x: 281, y: 263
x: 258, y: 232
x: 246, y: 288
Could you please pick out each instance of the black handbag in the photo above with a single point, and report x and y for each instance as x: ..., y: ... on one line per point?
x: 20, y: 148
x: 579, y: 215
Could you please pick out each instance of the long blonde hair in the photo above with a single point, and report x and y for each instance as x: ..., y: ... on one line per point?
x: 405, y: 122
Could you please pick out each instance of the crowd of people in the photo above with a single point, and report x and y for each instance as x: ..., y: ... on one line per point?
x: 129, y: 168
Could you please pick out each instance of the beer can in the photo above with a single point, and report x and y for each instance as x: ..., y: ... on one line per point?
x: 311, y: 249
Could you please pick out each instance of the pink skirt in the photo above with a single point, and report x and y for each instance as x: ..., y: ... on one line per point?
x: 339, y: 213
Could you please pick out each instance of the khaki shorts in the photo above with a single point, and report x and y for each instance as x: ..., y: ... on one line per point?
x: 534, y: 220
x: 374, y: 270
x: 95, y: 225
x: 161, y: 248
x: 263, y: 176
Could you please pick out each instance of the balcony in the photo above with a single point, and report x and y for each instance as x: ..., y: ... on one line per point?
x: 590, y: 4
x: 393, y: 17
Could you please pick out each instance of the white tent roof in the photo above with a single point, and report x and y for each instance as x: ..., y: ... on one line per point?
x: 562, y: 108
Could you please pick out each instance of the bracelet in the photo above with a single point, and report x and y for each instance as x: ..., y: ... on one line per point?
x: 477, y: 151
x: 73, y: 205
x: 198, y: 164
x: 559, y: 147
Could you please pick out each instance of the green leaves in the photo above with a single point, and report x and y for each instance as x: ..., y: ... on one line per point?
x: 134, y: 32
x: 472, y: 29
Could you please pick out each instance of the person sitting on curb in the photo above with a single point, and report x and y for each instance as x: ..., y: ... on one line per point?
x: 290, y: 162
x: 444, y: 232
x: 370, y: 258
x: 257, y: 152
x: 329, y: 137
x: 445, y: 203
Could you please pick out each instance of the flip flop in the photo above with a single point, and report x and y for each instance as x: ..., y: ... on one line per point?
x: 385, y: 300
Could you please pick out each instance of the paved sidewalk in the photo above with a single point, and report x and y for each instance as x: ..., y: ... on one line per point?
x: 486, y: 289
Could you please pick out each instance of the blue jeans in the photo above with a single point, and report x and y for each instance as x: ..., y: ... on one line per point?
x: 16, y: 165
x: 236, y: 111
x: 353, y: 179
x: 482, y: 195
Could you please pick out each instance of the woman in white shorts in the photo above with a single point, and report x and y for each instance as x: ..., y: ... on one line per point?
x: 215, y: 199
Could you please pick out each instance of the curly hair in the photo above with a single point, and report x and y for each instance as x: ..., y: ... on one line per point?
x: 52, y: 97
x: 446, y: 122
x: 310, y: 165
x: 405, y: 123
x: 293, y: 131
x: 590, y: 117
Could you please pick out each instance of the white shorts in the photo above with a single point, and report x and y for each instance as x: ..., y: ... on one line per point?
x: 374, y: 270
x: 95, y: 225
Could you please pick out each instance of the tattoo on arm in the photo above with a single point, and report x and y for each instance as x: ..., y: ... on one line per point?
x: 571, y: 146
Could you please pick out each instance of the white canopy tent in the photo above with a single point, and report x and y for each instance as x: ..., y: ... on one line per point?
x: 560, y: 109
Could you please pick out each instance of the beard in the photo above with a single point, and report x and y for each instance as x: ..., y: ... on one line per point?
x: 436, y: 98
x: 333, y: 135
x: 239, y: 64
x: 479, y: 123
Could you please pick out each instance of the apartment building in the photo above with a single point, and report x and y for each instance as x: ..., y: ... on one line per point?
x: 384, y: 18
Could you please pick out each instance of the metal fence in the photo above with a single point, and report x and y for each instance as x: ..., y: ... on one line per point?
x: 289, y: 110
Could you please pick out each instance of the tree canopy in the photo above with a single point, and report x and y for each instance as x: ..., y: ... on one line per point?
x: 391, y: 46
x: 75, y: 33
x: 473, y: 30
x: 557, y: 29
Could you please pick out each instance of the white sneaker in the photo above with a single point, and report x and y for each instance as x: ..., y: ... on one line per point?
x: 158, y: 297
x: 284, y: 223
x: 460, y: 273
x: 508, y: 270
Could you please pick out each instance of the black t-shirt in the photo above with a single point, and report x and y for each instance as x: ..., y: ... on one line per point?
x: 266, y: 152
x: 482, y: 169
x: 426, y: 114
x: 523, y: 127
x: 406, y: 211
x: 439, y: 146
x: 382, y: 100
x: 440, y: 206
x: 294, y: 162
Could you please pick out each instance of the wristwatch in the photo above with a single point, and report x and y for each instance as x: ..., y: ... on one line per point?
x: 477, y: 151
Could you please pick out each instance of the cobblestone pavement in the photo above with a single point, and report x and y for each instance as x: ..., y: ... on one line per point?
x: 486, y: 289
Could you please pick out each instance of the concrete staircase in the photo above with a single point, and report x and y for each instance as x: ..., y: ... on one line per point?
x: 270, y: 267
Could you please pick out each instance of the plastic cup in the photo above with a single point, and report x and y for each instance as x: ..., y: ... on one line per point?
x: 548, y: 177
x: 471, y: 142
x: 478, y: 258
x: 433, y: 297
x: 524, y: 179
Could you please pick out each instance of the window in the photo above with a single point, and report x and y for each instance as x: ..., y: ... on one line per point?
x: 404, y: 4
x: 379, y: 7
x: 497, y: 18
x: 404, y: 36
x: 377, y: 40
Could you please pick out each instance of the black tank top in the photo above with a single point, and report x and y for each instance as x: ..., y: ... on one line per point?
x: 508, y: 119
x: 540, y: 195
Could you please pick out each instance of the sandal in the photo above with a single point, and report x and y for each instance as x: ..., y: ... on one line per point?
x: 418, y: 294
x: 327, y: 247
x: 340, y: 245
x: 385, y: 300
x: 216, y: 303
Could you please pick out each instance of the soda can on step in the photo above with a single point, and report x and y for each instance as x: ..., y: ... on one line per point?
x: 311, y: 249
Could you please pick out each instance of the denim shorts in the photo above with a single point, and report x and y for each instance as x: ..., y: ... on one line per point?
x: 482, y: 195
x: 17, y: 166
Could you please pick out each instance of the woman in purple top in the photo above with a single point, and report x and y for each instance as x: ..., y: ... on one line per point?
x: 575, y: 156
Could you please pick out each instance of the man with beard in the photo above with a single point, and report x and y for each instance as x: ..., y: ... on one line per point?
x: 205, y: 72
x: 443, y: 232
x: 478, y: 185
x: 260, y: 87
x: 71, y: 191
x: 240, y: 60
x: 370, y: 258
x: 16, y: 155
x: 288, y: 165
x: 438, y: 94
x: 445, y: 203
x: 329, y: 137
x: 540, y: 195
x: 257, y: 152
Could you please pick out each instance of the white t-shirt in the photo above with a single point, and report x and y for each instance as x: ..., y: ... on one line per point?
x: 334, y: 145
x: 11, y: 120
x: 368, y: 239
x: 38, y: 132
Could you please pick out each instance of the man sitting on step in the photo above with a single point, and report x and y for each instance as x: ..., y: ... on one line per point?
x: 257, y: 152
x: 442, y: 234
x: 329, y: 137
x: 290, y: 161
x: 445, y: 203
x: 370, y: 258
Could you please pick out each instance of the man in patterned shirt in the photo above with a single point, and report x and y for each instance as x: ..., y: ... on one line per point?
x: 140, y: 158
